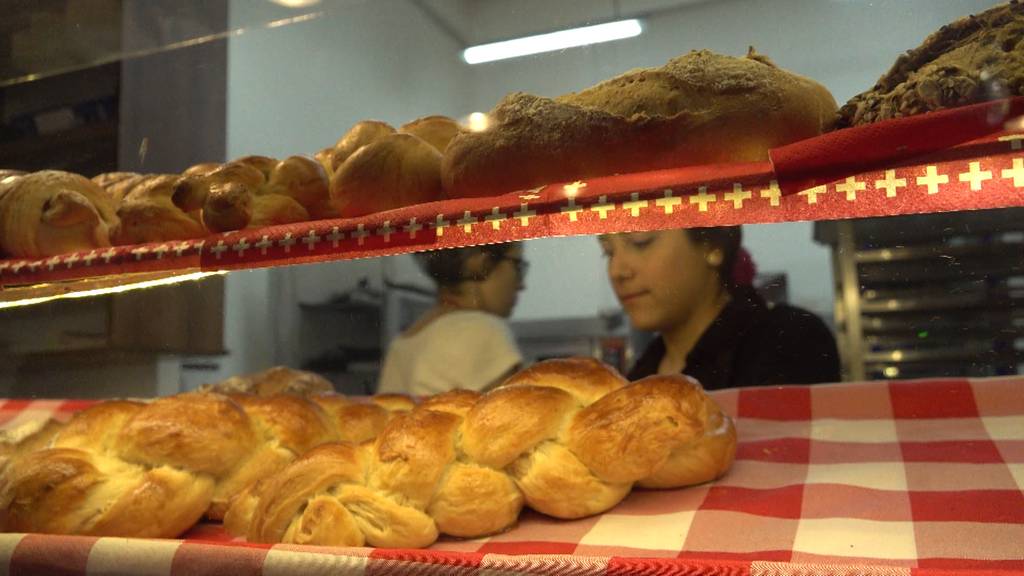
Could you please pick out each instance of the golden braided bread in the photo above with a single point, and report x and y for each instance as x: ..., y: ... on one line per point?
x: 127, y: 468
x: 146, y: 208
x: 568, y: 438
x: 373, y: 167
x: 256, y: 191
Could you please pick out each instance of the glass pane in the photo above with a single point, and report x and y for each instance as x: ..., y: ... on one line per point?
x: 158, y: 87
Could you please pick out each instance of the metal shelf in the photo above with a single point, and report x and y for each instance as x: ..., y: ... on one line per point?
x: 929, y: 296
x: 954, y: 302
x: 964, y: 352
x: 1013, y: 247
x: 981, y: 265
x: 951, y: 323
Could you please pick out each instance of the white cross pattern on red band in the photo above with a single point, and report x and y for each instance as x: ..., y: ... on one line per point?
x: 311, y: 240
x: 850, y: 187
x: 524, y: 214
x: 263, y: 244
x: 439, y: 225
x: 891, y: 184
x: 496, y: 217
x: 219, y: 249
x: 772, y: 193
x: 603, y: 207
x: 975, y: 175
x: 360, y: 234
x: 703, y: 199
x: 287, y: 242
x: 932, y: 179
x: 241, y: 247
x: 668, y: 202
x: 412, y: 228
x: 635, y: 205
x: 1016, y: 173
x: 738, y: 196
x: 812, y: 193
x: 336, y: 236
x: 467, y: 221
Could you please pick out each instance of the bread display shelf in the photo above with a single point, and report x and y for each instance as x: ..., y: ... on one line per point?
x: 945, y: 161
x: 855, y: 478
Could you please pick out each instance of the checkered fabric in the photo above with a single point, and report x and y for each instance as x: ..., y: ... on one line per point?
x: 914, y: 477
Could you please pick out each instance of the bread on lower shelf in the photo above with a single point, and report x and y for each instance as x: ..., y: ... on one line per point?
x: 138, y: 469
x: 568, y: 438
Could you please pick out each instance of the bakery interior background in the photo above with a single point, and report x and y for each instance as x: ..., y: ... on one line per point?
x: 274, y: 78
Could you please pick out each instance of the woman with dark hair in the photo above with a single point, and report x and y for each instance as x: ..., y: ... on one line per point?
x: 683, y: 285
x: 463, y: 341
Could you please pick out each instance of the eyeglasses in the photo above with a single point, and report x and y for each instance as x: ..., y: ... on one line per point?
x: 522, y: 266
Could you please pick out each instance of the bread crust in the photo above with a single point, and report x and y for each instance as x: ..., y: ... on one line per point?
x: 971, y: 60
x: 700, y: 108
x: 568, y: 438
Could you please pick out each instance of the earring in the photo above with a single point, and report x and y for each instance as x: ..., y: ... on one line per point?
x: 715, y: 258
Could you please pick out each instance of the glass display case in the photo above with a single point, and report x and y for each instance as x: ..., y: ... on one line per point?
x: 266, y: 239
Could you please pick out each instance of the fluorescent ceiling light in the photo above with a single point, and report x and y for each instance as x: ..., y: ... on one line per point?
x: 296, y: 3
x: 552, y: 41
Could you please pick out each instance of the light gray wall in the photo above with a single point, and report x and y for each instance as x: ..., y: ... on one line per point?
x: 297, y: 88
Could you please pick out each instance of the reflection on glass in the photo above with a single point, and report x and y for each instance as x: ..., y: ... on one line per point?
x: 955, y: 280
x: 462, y: 341
x: 48, y: 40
x: 695, y: 289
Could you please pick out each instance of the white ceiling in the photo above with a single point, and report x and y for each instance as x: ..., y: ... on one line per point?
x: 479, y: 21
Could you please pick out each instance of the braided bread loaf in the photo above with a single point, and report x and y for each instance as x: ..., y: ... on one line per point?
x: 276, y: 380
x: 568, y: 438
x: 146, y: 208
x: 246, y: 192
x: 374, y: 168
x: 127, y: 468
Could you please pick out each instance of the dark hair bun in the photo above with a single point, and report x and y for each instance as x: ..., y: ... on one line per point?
x: 448, y: 267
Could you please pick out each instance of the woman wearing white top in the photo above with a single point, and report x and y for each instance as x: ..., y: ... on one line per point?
x: 463, y: 341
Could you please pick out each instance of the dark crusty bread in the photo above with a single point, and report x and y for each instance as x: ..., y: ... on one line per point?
x: 974, y: 59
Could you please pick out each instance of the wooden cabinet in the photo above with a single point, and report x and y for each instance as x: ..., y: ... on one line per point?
x: 185, y: 318
x: 128, y: 344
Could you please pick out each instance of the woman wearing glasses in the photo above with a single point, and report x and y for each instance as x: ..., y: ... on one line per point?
x: 463, y: 341
x: 682, y: 285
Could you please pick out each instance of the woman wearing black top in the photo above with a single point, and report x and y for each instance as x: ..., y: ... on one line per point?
x: 679, y: 283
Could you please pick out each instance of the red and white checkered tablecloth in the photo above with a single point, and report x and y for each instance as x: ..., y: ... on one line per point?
x: 921, y: 477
